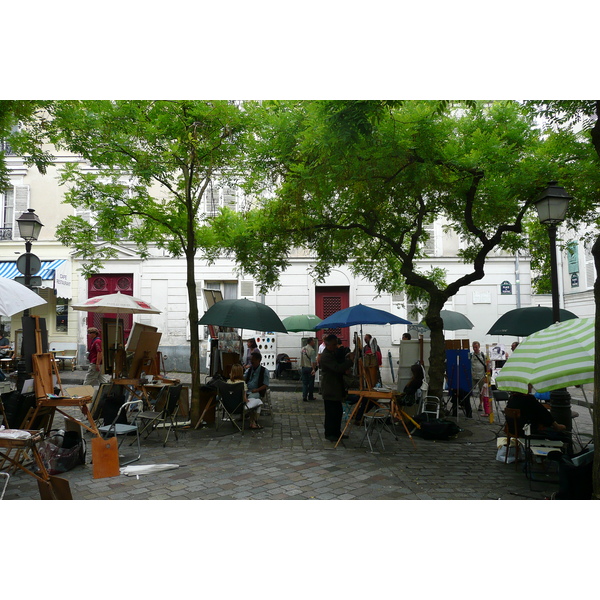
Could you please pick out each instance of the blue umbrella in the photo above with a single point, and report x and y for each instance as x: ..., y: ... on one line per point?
x: 360, y: 315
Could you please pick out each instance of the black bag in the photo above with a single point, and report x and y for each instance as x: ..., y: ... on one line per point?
x: 437, y: 429
x: 62, y: 452
x: 112, y: 404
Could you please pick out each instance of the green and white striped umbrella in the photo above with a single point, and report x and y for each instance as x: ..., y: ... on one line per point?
x: 559, y: 356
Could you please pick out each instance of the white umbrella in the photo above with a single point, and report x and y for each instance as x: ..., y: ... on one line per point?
x: 118, y: 303
x: 121, y: 304
x: 15, y: 297
x: 553, y: 358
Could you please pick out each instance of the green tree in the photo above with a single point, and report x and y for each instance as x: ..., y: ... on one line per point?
x: 358, y: 182
x: 21, y: 123
x: 153, y: 162
x: 585, y: 114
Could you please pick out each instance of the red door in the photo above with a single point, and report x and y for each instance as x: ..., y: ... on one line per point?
x: 100, y: 285
x: 329, y: 300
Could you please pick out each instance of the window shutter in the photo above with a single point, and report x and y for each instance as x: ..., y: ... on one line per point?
x: 21, y: 204
x: 211, y: 201
x: 430, y: 246
x: 590, y: 268
x: 230, y: 198
x: 84, y: 213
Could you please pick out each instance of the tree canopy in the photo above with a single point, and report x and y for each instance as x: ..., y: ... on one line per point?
x: 148, y: 165
x: 358, y: 183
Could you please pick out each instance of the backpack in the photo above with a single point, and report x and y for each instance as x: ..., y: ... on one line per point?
x: 437, y: 429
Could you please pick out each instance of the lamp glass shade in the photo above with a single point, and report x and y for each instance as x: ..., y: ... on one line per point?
x: 552, y: 210
x: 29, y: 226
x: 552, y: 204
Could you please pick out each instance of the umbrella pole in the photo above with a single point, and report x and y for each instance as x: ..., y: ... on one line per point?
x: 458, y: 394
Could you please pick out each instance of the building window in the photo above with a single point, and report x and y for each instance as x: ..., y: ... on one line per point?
x: 13, y: 203
x: 62, y: 315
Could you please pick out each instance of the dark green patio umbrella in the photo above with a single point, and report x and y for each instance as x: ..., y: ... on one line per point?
x: 525, y: 321
x: 243, y: 314
x: 453, y: 320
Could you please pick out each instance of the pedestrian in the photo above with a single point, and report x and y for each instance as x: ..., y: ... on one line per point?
x: 406, y: 336
x: 333, y: 390
x: 94, y: 375
x: 250, y: 348
x: 5, y: 349
x: 308, y: 368
x: 478, y: 370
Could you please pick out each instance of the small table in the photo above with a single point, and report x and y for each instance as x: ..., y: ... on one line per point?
x: 7, y: 364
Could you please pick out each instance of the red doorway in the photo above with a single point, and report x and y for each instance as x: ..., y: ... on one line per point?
x: 329, y: 300
x: 100, y: 285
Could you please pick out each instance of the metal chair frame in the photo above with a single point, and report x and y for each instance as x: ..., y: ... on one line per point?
x: 119, y: 429
x: 376, y: 422
x: 165, y: 413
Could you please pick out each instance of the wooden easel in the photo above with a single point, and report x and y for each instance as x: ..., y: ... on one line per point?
x: 384, y: 397
x: 50, y: 486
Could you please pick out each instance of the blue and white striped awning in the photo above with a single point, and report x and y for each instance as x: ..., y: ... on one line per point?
x: 9, y: 269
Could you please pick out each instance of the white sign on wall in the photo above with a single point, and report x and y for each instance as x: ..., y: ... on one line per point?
x: 62, y: 280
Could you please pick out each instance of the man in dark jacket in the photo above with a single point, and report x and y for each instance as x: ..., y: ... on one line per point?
x: 332, y: 368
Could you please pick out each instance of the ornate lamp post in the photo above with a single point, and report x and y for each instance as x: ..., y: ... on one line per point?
x: 552, y: 207
x: 29, y: 229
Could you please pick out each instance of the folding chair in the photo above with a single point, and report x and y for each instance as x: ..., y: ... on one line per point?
x: 267, y: 408
x: 6, y: 478
x: 499, y: 396
x: 116, y: 429
x: 430, y: 407
x: 164, y: 413
x: 541, y: 458
x: 230, y: 402
x: 376, y: 422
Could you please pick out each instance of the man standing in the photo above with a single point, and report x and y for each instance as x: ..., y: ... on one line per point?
x: 94, y: 374
x: 332, y: 386
x: 5, y: 349
x: 478, y: 368
x: 308, y: 366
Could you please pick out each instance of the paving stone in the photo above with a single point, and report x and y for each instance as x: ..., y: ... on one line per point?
x: 289, y: 459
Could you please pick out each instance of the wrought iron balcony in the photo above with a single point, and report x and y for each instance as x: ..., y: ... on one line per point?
x: 6, y: 233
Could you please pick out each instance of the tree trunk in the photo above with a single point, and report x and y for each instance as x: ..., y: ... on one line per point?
x: 194, y: 337
x: 596, y: 400
x: 437, y: 355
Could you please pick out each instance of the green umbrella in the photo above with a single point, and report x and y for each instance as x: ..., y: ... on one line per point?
x: 551, y: 359
x: 299, y: 323
x: 244, y: 314
x: 453, y: 320
x: 525, y: 321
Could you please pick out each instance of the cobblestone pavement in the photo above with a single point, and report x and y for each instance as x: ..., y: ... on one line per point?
x: 290, y: 459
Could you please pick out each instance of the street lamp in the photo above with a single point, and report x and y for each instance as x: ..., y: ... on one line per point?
x: 29, y: 229
x: 552, y: 207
